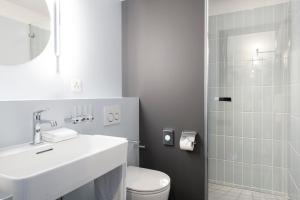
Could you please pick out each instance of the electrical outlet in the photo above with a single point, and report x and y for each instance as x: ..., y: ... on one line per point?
x: 112, y: 115
x: 76, y: 85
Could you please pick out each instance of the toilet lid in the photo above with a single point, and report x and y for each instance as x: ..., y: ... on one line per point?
x: 146, y: 180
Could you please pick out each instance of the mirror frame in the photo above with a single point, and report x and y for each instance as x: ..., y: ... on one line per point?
x: 57, y: 20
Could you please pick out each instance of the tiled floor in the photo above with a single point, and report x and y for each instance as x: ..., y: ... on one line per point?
x: 219, y: 192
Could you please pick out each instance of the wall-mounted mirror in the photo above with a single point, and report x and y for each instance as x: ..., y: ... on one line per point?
x: 24, y: 30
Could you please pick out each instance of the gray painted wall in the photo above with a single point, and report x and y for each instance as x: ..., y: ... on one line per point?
x: 16, y: 125
x: 163, y: 64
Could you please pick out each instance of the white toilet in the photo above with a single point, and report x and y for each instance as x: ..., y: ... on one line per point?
x: 147, y: 184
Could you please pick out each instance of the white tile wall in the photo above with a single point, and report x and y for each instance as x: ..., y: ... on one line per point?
x: 248, y: 137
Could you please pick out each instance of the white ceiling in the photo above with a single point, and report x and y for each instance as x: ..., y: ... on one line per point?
x: 217, y: 7
x: 39, y: 6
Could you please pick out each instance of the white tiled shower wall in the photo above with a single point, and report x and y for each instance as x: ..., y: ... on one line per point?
x: 248, y: 137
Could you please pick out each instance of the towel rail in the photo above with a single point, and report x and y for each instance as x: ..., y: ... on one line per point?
x: 137, y: 143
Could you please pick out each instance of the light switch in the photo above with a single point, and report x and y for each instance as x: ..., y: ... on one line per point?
x: 168, y: 137
x: 76, y: 85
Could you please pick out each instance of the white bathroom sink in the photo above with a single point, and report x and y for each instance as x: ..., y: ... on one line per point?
x: 49, y: 171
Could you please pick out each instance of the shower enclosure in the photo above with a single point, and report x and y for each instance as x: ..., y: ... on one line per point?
x: 253, y: 100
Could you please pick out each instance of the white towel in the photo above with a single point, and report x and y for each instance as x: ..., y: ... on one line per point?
x: 59, y: 135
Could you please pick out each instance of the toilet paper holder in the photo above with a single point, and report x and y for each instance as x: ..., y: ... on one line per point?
x: 189, y: 134
x: 188, y: 140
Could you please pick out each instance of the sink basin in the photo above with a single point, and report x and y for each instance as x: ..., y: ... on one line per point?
x: 51, y: 170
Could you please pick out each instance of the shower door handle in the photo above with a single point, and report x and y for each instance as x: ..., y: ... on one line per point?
x: 223, y: 99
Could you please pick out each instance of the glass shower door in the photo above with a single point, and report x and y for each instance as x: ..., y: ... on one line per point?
x: 248, y: 107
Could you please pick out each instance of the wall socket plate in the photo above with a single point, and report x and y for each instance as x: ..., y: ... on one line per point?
x: 76, y: 85
x: 112, y: 115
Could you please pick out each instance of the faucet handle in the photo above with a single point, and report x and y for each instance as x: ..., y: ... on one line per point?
x: 41, y: 111
x: 37, y: 114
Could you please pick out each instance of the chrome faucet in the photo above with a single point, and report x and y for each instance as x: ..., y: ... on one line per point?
x: 37, y: 122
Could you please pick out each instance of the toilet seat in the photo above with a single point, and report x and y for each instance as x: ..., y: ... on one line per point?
x: 146, y: 181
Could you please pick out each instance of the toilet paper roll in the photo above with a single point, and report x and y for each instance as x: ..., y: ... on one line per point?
x: 187, y: 140
x: 187, y: 145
